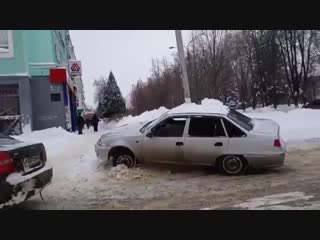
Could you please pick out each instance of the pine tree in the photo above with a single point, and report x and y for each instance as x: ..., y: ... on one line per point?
x: 110, y: 98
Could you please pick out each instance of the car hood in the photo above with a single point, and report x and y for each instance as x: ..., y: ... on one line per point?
x: 265, y: 126
x: 126, y: 130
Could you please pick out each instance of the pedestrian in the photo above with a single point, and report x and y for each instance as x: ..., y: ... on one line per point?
x: 80, y: 123
x: 88, y: 122
x: 95, y: 121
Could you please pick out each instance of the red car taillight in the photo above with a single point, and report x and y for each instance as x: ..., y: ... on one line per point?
x: 277, y: 143
x: 6, y: 163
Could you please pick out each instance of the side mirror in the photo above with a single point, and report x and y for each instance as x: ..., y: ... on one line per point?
x: 151, y: 133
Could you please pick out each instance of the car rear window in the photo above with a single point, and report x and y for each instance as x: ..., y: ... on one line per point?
x: 240, y: 119
x: 232, y: 130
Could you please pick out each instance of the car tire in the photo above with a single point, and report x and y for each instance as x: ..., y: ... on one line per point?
x: 232, y: 165
x: 124, y: 157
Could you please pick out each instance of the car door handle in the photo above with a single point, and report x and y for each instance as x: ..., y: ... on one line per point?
x: 218, y: 144
x: 179, y: 144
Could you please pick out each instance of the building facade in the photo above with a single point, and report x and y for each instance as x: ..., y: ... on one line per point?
x: 37, y: 88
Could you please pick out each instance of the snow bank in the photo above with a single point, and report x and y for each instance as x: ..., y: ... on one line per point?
x: 298, y: 127
x: 122, y: 172
x: 281, y: 108
x: 54, y: 139
x: 26, y: 128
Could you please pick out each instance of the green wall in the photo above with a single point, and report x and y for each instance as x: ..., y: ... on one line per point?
x: 37, y: 47
x: 18, y: 63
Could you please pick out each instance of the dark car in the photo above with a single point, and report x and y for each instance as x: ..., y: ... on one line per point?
x: 313, y: 105
x: 23, y: 170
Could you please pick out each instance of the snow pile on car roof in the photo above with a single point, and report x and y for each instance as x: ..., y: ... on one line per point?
x: 146, y: 116
x: 206, y: 106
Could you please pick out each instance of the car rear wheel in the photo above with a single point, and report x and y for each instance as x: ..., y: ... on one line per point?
x: 232, y: 165
x: 124, y: 157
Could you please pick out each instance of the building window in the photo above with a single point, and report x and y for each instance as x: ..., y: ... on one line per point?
x: 6, y: 44
x: 55, y: 97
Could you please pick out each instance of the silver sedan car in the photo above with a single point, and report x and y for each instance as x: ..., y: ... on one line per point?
x: 229, y: 141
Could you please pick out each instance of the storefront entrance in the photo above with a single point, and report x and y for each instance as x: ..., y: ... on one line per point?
x: 10, y: 115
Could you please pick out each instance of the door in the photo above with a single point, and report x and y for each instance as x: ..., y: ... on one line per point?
x: 166, y: 143
x: 205, y: 141
x: 239, y: 142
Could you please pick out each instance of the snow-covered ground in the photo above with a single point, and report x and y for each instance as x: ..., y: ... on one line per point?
x: 79, y: 175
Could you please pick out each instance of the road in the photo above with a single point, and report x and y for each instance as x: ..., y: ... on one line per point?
x: 294, y: 186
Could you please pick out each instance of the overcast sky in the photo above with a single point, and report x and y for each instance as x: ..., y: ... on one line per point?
x: 128, y: 53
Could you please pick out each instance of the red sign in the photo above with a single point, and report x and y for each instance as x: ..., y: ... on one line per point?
x: 8, y: 92
x: 58, y: 75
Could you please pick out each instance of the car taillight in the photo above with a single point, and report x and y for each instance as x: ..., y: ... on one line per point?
x: 277, y: 143
x: 6, y: 163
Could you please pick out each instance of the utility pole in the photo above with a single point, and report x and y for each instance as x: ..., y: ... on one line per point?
x: 185, y: 80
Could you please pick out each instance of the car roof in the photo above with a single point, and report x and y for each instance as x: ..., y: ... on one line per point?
x: 209, y: 108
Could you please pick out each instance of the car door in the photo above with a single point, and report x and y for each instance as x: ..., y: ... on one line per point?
x: 239, y: 143
x: 165, y: 144
x: 205, y: 140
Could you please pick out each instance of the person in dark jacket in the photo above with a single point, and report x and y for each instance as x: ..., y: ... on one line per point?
x: 95, y: 121
x: 87, y: 121
x: 80, y: 123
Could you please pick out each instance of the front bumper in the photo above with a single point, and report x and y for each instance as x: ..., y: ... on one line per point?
x: 102, y: 152
x: 18, y: 188
x: 266, y: 161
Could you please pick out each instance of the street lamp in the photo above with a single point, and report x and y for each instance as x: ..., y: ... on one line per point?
x: 191, y: 41
x: 185, y: 80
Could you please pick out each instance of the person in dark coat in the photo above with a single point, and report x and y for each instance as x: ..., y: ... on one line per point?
x: 87, y: 122
x: 95, y: 121
x: 80, y: 123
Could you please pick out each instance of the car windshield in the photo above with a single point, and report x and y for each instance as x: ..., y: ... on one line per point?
x: 149, y: 123
x: 241, y: 119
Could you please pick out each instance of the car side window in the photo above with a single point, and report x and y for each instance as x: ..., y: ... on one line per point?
x: 172, y: 127
x: 204, y: 126
x: 232, y: 130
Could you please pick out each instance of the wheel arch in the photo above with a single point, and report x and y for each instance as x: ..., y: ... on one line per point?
x: 120, y: 148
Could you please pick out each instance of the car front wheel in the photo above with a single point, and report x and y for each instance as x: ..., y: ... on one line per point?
x: 125, y: 158
x: 232, y: 165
